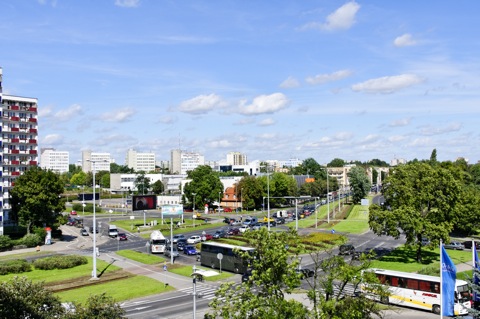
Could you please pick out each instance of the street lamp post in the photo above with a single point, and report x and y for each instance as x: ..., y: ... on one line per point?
x: 195, y: 215
x: 268, y: 200
x: 328, y: 199
x: 94, y: 271
x: 316, y: 218
x: 219, y: 201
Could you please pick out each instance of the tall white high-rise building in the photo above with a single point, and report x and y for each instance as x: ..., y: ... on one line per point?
x: 102, y: 161
x: 57, y: 161
x: 181, y: 162
x: 236, y: 158
x: 18, y: 143
x: 140, y: 161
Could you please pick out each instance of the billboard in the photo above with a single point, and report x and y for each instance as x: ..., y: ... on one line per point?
x: 172, y: 211
x: 88, y: 196
x: 144, y: 202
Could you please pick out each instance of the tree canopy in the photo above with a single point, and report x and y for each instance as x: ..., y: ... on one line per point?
x: 158, y: 187
x: 205, y: 184
x: 420, y: 201
x: 359, y: 183
x: 36, y: 198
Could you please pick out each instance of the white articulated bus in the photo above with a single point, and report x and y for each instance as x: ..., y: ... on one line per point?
x: 157, y: 242
x: 419, y: 291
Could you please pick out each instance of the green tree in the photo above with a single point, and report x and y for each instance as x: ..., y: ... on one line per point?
x: 251, y: 192
x: 327, y: 292
x: 280, y: 185
x: 73, y: 169
x: 205, y: 183
x: 359, y: 183
x: 36, y: 199
x: 308, y: 167
x: 336, y: 162
x: 433, y: 157
x: 158, y: 187
x: 420, y: 201
x: 377, y: 163
x: 79, y: 178
x: 120, y: 169
x: 273, y: 275
x: 467, y: 218
x: 475, y: 173
x: 22, y: 298
x: 142, y: 183
x: 105, y: 180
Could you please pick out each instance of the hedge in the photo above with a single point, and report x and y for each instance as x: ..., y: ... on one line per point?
x: 14, y: 266
x: 60, y: 262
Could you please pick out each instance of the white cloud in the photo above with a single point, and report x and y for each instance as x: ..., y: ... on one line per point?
x: 387, y: 84
x: 118, y: 116
x: 404, y: 40
x: 325, y: 78
x: 224, y: 143
x: 167, y: 120
x: 69, y: 113
x: 343, y: 136
x: 45, y: 111
x: 267, y: 122
x: 437, y: 130
x: 127, y: 3
x: 342, y: 19
x: 401, y: 122
x: 52, y: 139
x: 396, y: 138
x: 289, y: 83
x: 421, y: 142
x: 265, y: 104
x: 201, y: 104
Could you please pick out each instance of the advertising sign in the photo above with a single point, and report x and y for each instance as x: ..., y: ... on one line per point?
x: 172, y: 211
x: 144, y: 202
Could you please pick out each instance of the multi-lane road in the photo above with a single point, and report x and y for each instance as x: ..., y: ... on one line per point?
x: 179, y: 303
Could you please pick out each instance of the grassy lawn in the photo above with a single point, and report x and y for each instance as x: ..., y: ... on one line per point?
x: 149, y: 259
x: 26, y: 255
x: 356, y: 223
x: 63, y: 274
x: 187, y: 271
x: 403, y: 259
x: 134, y: 287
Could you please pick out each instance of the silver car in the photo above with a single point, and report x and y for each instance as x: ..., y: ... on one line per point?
x: 454, y: 245
x: 168, y: 252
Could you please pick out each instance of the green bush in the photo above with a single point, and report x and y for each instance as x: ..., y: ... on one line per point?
x: 60, y: 262
x: 88, y: 208
x: 14, y: 266
x: 6, y: 243
x: 40, y: 231
x: 30, y: 240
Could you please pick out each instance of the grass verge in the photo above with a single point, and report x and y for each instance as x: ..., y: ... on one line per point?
x: 187, y: 271
x: 148, y: 259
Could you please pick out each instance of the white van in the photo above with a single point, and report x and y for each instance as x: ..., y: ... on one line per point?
x: 112, y: 231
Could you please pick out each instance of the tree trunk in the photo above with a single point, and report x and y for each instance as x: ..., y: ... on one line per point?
x: 419, y: 252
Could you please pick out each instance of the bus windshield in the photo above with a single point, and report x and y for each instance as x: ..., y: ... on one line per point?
x: 463, y: 293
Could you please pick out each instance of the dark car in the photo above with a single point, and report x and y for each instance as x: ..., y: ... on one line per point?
x: 246, y: 275
x: 219, y: 234
x: 280, y: 220
x: 189, y: 250
x: 346, y: 249
x: 122, y: 236
x: 181, y: 243
x: 468, y: 244
x: 233, y: 231
x: 305, y: 273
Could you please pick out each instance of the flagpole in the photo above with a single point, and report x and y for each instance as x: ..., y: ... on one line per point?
x: 441, y: 281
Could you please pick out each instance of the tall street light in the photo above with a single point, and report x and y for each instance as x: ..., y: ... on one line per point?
x: 194, y: 214
x: 328, y: 198
x: 94, y: 271
x: 219, y: 201
x: 268, y: 197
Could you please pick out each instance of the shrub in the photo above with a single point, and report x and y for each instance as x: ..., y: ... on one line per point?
x: 88, y: 208
x: 60, y: 262
x: 30, y: 240
x: 40, y: 231
x: 6, y: 243
x: 14, y: 266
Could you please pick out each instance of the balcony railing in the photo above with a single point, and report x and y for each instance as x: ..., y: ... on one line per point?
x: 14, y: 118
x: 33, y: 130
x: 33, y: 163
x: 32, y: 141
x: 32, y: 109
x: 14, y: 107
x: 32, y: 119
x: 33, y: 152
x: 15, y: 173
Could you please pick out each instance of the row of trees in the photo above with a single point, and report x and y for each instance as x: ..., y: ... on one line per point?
x: 428, y: 199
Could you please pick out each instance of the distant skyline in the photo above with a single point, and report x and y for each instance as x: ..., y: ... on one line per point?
x: 355, y: 80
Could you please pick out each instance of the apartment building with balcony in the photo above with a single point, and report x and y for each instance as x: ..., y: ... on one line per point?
x: 18, y: 143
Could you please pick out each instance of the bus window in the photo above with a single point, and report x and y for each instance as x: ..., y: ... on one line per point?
x: 412, y: 284
x: 426, y: 286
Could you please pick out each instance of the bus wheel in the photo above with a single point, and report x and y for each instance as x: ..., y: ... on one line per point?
x: 236, y: 270
x: 213, y: 266
x: 384, y: 300
x: 436, y: 309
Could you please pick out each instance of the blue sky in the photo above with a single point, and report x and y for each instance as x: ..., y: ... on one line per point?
x: 273, y: 79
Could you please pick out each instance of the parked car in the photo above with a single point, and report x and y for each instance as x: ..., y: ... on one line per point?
x: 468, y: 244
x: 227, y: 210
x: 177, y: 237
x: 280, y: 220
x: 181, y: 243
x: 425, y: 241
x: 73, y: 212
x: 190, y: 250
x: 246, y: 275
x: 122, y: 236
x: 83, y: 232
x: 346, y: 249
x: 168, y: 252
x: 233, y: 231
x: 454, y: 245
x: 207, y: 237
x: 195, y: 239
x: 219, y: 234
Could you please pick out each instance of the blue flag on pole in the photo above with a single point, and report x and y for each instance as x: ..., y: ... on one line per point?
x: 476, y: 266
x: 449, y: 276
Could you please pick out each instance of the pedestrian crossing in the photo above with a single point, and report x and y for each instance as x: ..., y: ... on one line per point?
x: 203, y: 291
